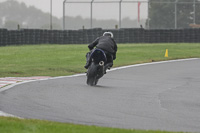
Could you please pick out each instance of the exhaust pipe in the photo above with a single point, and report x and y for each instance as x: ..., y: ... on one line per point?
x: 101, y: 63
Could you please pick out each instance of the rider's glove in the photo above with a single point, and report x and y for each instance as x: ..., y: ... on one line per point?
x: 90, y: 47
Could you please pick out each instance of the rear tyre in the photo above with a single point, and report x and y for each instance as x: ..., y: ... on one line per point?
x: 92, y: 75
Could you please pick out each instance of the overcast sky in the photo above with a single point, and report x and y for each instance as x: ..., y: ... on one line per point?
x: 100, y: 11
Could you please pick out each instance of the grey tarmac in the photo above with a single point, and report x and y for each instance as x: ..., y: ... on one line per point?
x: 154, y: 96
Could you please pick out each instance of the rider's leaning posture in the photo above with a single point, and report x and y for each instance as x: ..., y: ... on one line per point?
x: 108, y: 45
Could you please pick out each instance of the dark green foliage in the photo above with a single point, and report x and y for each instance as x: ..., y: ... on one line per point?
x: 162, y: 13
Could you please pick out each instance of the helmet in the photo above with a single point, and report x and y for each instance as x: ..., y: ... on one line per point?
x: 110, y: 34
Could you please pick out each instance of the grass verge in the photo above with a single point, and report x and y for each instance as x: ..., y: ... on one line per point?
x: 14, y: 125
x: 60, y: 60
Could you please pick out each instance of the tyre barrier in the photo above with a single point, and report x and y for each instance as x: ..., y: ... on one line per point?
x: 86, y: 36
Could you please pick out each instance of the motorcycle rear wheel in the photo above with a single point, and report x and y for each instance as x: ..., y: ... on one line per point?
x: 92, y: 75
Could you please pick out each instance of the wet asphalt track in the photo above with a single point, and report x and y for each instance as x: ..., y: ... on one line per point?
x: 163, y: 96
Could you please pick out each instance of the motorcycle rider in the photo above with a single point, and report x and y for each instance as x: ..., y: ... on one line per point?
x: 108, y: 45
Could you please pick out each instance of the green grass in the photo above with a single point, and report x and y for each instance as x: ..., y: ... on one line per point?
x: 37, y: 60
x: 60, y: 60
x: 14, y: 125
x: 142, y: 53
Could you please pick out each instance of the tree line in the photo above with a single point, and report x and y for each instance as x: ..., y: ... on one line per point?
x: 166, y: 14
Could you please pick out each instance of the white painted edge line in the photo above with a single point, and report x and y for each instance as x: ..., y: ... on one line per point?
x: 77, y: 75
x: 8, y: 115
x: 152, y: 63
x: 5, y: 114
x: 123, y: 67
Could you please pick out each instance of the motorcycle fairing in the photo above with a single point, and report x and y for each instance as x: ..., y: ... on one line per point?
x: 98, y: 55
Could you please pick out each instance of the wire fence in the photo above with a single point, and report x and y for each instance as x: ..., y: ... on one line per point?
x: 106, y: 10
x: 151, y: 14
x: 106, y: 14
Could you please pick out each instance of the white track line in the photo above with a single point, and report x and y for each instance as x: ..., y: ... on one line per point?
x: 6, y: 115
x: 77, y: 75
x: 144, y: 64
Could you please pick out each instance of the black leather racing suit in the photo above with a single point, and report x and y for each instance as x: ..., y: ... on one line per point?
x: 108, y: 45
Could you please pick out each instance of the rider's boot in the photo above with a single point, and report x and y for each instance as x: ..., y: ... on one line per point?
x: 107, y: 66
x: 87, y: 65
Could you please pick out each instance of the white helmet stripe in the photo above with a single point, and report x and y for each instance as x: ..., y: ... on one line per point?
x: 111, y: 34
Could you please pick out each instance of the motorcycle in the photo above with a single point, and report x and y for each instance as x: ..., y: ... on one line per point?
x: 96, y: 68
